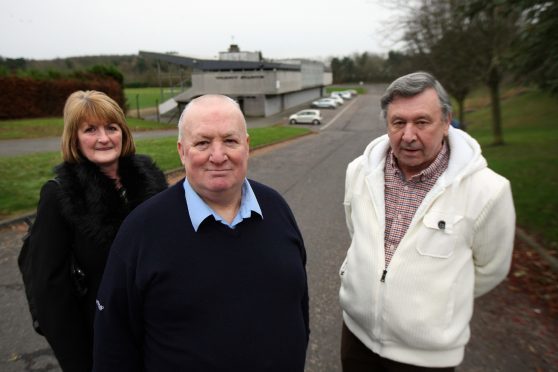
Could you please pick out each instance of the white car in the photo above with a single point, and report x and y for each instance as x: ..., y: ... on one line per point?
x: 306, y: 117
x: 325, y: 103
x: 346, y: 94
x: 337, y: 98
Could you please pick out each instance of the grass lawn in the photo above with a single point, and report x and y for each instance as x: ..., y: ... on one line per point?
x: 147, y: 97
x: 21, y: 177
x: 52, y: 127
x: 529, y: 159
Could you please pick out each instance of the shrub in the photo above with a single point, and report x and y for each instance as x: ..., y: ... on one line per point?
x: 25, y: 97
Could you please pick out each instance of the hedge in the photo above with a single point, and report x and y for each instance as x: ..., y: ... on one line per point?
x: 31, y: 98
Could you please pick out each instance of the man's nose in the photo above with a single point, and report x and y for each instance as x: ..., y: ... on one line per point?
x: 409, y: 133
x: 218, y: 153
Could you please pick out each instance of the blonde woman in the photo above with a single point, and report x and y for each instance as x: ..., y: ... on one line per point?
x: 99, y: 182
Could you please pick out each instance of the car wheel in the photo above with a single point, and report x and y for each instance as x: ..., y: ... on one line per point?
x: 315, y: 122
x: 292, y: 121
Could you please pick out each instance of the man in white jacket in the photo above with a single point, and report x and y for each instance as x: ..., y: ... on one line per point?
x: 431, y: 228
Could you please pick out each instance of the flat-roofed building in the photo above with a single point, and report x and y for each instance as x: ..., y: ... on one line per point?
x: 262, y: 88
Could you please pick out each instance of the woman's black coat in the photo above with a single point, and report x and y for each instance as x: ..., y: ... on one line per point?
x: 81, y: 214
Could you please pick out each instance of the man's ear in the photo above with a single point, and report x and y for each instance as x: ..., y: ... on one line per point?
x: 180, y: 150
x: 448, y: 124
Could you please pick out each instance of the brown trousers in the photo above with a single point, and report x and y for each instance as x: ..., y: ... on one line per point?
x: 356, y: 357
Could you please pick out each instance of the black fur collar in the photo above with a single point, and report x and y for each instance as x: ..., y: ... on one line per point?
x: 90, y: 201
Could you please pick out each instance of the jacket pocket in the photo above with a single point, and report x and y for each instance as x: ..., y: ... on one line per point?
x: 437, y: 235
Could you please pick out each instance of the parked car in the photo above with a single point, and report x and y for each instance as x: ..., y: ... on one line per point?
x: 344, y: 94
x: 306, y: 117
x: 335, y: 96
x: 325, y: 103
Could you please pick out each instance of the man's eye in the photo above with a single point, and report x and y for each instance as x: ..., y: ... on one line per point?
x: 201, y: 143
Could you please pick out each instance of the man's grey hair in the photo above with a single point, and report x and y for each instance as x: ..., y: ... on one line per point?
x: 228, y: 99
x: 412, y: 84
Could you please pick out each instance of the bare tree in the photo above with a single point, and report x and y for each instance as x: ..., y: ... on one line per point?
x: 498, y: 25
x: 463, y: 42
x: 444, y: 41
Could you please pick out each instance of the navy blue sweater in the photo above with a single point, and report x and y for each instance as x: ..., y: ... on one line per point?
x: 219, y: 299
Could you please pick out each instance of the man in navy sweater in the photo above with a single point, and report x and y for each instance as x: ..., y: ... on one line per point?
x: 208, y: 275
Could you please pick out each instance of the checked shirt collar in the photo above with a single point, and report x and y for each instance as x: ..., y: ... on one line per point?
x: 402, y: 197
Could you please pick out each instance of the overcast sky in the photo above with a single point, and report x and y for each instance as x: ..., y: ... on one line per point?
x: 47, y: 29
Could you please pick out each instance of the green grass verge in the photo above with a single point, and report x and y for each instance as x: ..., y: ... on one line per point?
x: 52, y: 127
x: 269, y: 135
x: 529, y: 159
x: 31, y: 128
x: 21, y: 177
x: 147, y: 97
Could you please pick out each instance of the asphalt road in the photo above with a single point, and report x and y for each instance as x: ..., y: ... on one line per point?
x: 310, y: 174
x: 508, y: 333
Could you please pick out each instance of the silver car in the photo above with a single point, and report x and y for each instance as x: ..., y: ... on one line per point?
x: 325, y: 103
x: 306, y: 117
x: 337, y: 98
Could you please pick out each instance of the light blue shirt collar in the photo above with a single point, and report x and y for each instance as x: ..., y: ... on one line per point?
x: 199, y: 210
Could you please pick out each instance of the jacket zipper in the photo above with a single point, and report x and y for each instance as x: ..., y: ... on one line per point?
x: 383, y: 279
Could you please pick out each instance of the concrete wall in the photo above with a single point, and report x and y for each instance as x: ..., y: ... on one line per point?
x: 247, y: 82
x: 312, y: 74
x: 254, y: 106
x: 233, y: 83
x: 288, y: 81
x: 328, y: 78
x: 273, y: 105
x: 300, y: 97
x: 240, y: 56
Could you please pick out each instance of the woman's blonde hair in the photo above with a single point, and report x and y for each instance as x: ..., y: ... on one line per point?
x: 90, y: 105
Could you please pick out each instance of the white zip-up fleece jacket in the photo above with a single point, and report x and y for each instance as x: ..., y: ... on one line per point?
x: 420, y: 314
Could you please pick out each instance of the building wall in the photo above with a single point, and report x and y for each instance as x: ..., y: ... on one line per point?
x: 253, y: 106
x: 273, y: 105
x: 288, y: 81
x: 328, y: 78
x: 312, y: 74
x: 247, y: 82
x: 240, y: 56
x: 300, y: 97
